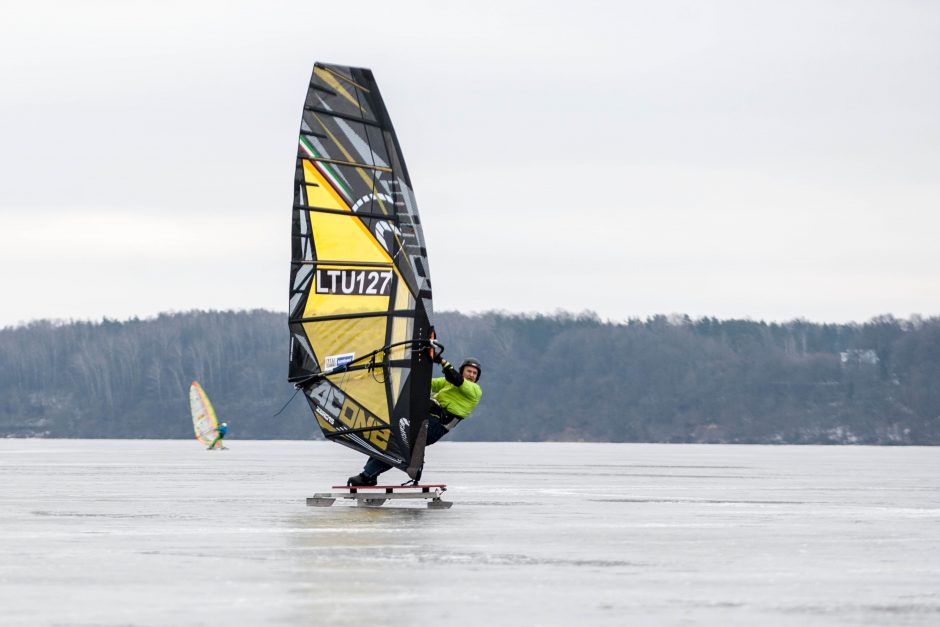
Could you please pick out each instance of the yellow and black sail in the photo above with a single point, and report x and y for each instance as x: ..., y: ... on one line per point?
x: 360, y: 289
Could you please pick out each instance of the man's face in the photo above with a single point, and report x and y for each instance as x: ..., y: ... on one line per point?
x: 470, y: 373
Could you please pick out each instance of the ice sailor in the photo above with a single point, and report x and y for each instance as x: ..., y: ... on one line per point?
x: 221, y: 431
x: 453, y: 397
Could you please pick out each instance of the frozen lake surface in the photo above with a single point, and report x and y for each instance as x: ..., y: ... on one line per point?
x: 165, y: 533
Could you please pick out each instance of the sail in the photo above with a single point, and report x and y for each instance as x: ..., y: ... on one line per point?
x: 204, y: 420
x: 360, y: 288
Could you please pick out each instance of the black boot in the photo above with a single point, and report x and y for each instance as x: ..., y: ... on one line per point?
x: 361, y: 480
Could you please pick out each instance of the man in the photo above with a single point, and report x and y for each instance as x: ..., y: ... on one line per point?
x: 453, y: 397
x: 222, y: 430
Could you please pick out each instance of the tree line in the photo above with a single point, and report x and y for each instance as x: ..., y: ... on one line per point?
x: 560, y: 377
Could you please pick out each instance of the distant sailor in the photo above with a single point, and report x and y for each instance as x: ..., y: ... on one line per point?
x: 221, y: 431
x: 453, y: 397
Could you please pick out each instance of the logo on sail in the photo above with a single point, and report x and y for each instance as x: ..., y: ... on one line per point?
x: 333, y: 361
x: 403, y: 425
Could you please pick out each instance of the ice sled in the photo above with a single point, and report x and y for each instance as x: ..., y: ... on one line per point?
x: 376, y: 495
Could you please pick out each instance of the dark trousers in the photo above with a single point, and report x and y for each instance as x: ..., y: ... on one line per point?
x: 375, y: 467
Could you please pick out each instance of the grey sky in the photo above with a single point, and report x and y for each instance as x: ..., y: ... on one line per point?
x: 737, y: 159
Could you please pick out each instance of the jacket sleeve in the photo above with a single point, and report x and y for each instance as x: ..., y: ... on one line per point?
x: 451, y: 374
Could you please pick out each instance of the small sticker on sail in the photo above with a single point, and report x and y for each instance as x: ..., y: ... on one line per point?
x: 333, y: 361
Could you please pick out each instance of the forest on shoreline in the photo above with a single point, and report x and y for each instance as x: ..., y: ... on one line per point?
x: 560, y: 377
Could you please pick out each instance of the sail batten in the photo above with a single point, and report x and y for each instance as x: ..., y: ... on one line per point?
x: 360, y: 290
x: 342, y: 116
x: 400, y: 313
x: 336, y: 262
x: 354, y: 164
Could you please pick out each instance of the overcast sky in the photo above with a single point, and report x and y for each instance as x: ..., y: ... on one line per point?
x: 769, y: 160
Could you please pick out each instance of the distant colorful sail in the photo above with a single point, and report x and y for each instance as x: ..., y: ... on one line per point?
x: 360, y: 287
x: 205, y: 423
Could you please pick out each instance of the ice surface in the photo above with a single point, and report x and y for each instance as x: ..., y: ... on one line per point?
x: 167, y: 533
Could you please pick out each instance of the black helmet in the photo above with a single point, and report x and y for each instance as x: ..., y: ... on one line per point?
x: 470, y: 361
